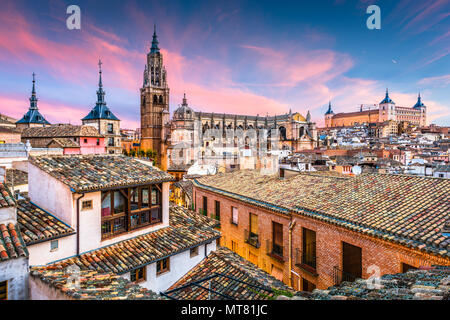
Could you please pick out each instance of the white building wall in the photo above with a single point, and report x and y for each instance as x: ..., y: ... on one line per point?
x: 40, y: 253
x: 15, y: 271
x: 50, y: 194
x: 180, y: 264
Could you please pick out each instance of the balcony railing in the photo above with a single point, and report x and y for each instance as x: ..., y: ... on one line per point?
x: 274, y: 250
x: 251, y: 238
x: 306, y: 260
x: 340, y: 276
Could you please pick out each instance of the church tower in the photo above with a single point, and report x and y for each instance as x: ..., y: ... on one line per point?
x: 155, y: 115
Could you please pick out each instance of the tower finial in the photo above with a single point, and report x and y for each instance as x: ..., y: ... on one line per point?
x: 154, y: 48
x: 33, y: 99
x: 100, y: 84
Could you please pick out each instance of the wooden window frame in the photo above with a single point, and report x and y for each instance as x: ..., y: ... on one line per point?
x: 51, y: 245
x: 217, y: 210
x: 5, y: 285
x: 136, y: 274
x: 144, y: 215
x: 193, y: 252
x: 234, y: 223
x: 83, y: 208
x: 159, y: 264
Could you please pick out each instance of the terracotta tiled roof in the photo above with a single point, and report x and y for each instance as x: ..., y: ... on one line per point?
x: 18, y: 176
x: 11, y: 243
x: 235, y: 277
x: 179, y: 214
x: 187, y: 187
x: 182, y: 234
x: 61, y: 131
x: 95, y: 172
x: 408, y: 210
x: 64, y: 143
x: 38, y: 225
x: 6, y: 198
x: 93, y: 285
x: 426, y: 284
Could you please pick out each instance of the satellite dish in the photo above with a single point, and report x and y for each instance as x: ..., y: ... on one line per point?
x: 356, y: 170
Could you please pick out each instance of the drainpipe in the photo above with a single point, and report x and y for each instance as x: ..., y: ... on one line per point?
x: 291, y: 227
x: 78, y: 223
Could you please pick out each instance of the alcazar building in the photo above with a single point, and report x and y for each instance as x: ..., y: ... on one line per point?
x: 387, y: 110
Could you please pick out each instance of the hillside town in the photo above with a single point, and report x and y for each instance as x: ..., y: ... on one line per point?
x: 217, y: 206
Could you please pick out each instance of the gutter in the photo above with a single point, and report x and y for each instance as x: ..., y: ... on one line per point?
x: 78, y: 223
x: 291, y: 227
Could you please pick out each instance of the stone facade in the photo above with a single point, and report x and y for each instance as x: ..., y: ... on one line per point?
x: 155, y: 114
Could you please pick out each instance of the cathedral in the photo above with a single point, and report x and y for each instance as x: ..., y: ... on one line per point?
x: 187, y: 132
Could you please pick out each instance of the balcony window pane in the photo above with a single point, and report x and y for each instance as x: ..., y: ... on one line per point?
x: 106, y: 205
x: 134, y: 199
x: 145, y: 198
x: 119, y: 202
x: 155, y: 196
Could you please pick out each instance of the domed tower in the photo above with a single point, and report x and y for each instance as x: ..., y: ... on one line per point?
x: 387, y: 109
x: 328, y: 116
x: 423, y: 111
x: 155, y: 116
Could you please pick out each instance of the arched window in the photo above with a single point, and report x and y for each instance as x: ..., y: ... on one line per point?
x: 302, y: 132
x: 160, y: 99
x: 155, y: 99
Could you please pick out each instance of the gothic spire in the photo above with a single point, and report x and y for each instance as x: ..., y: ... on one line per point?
x: 184, y: 100
x: 154, y: 48
x: 33, y: 99
x: 308, y: 117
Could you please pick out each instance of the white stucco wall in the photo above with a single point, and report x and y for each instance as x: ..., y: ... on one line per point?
x: 15, y: 271
x: 40, y: 290
x: 8, y: 215
x: 50, y: 194
x: 180, y: 264
x: 40, y: 253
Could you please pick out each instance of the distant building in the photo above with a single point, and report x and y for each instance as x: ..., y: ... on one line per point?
x: 106, y: 123
x: 13, y: 251
x: 385, y: 111
x: 33, y: 118
x: 72, y: 139
x: 9, y: 135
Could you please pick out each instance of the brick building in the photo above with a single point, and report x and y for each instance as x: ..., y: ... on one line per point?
x: 314, y: 230
x: 72, y: 139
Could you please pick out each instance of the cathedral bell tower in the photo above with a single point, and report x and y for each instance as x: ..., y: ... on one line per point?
x: 155, y: 114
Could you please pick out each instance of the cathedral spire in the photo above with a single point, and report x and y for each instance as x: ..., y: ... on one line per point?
x: 154, y: 48
x: 184, y: 100
x: 33, y: 99
x: 308, y: 117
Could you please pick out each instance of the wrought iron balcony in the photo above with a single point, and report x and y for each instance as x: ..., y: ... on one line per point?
x: 340, y: 276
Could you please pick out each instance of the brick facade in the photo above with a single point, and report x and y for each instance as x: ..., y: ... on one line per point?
x: 376, y: 253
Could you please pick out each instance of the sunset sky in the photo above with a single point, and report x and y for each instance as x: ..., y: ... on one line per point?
x: 246, y: 57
